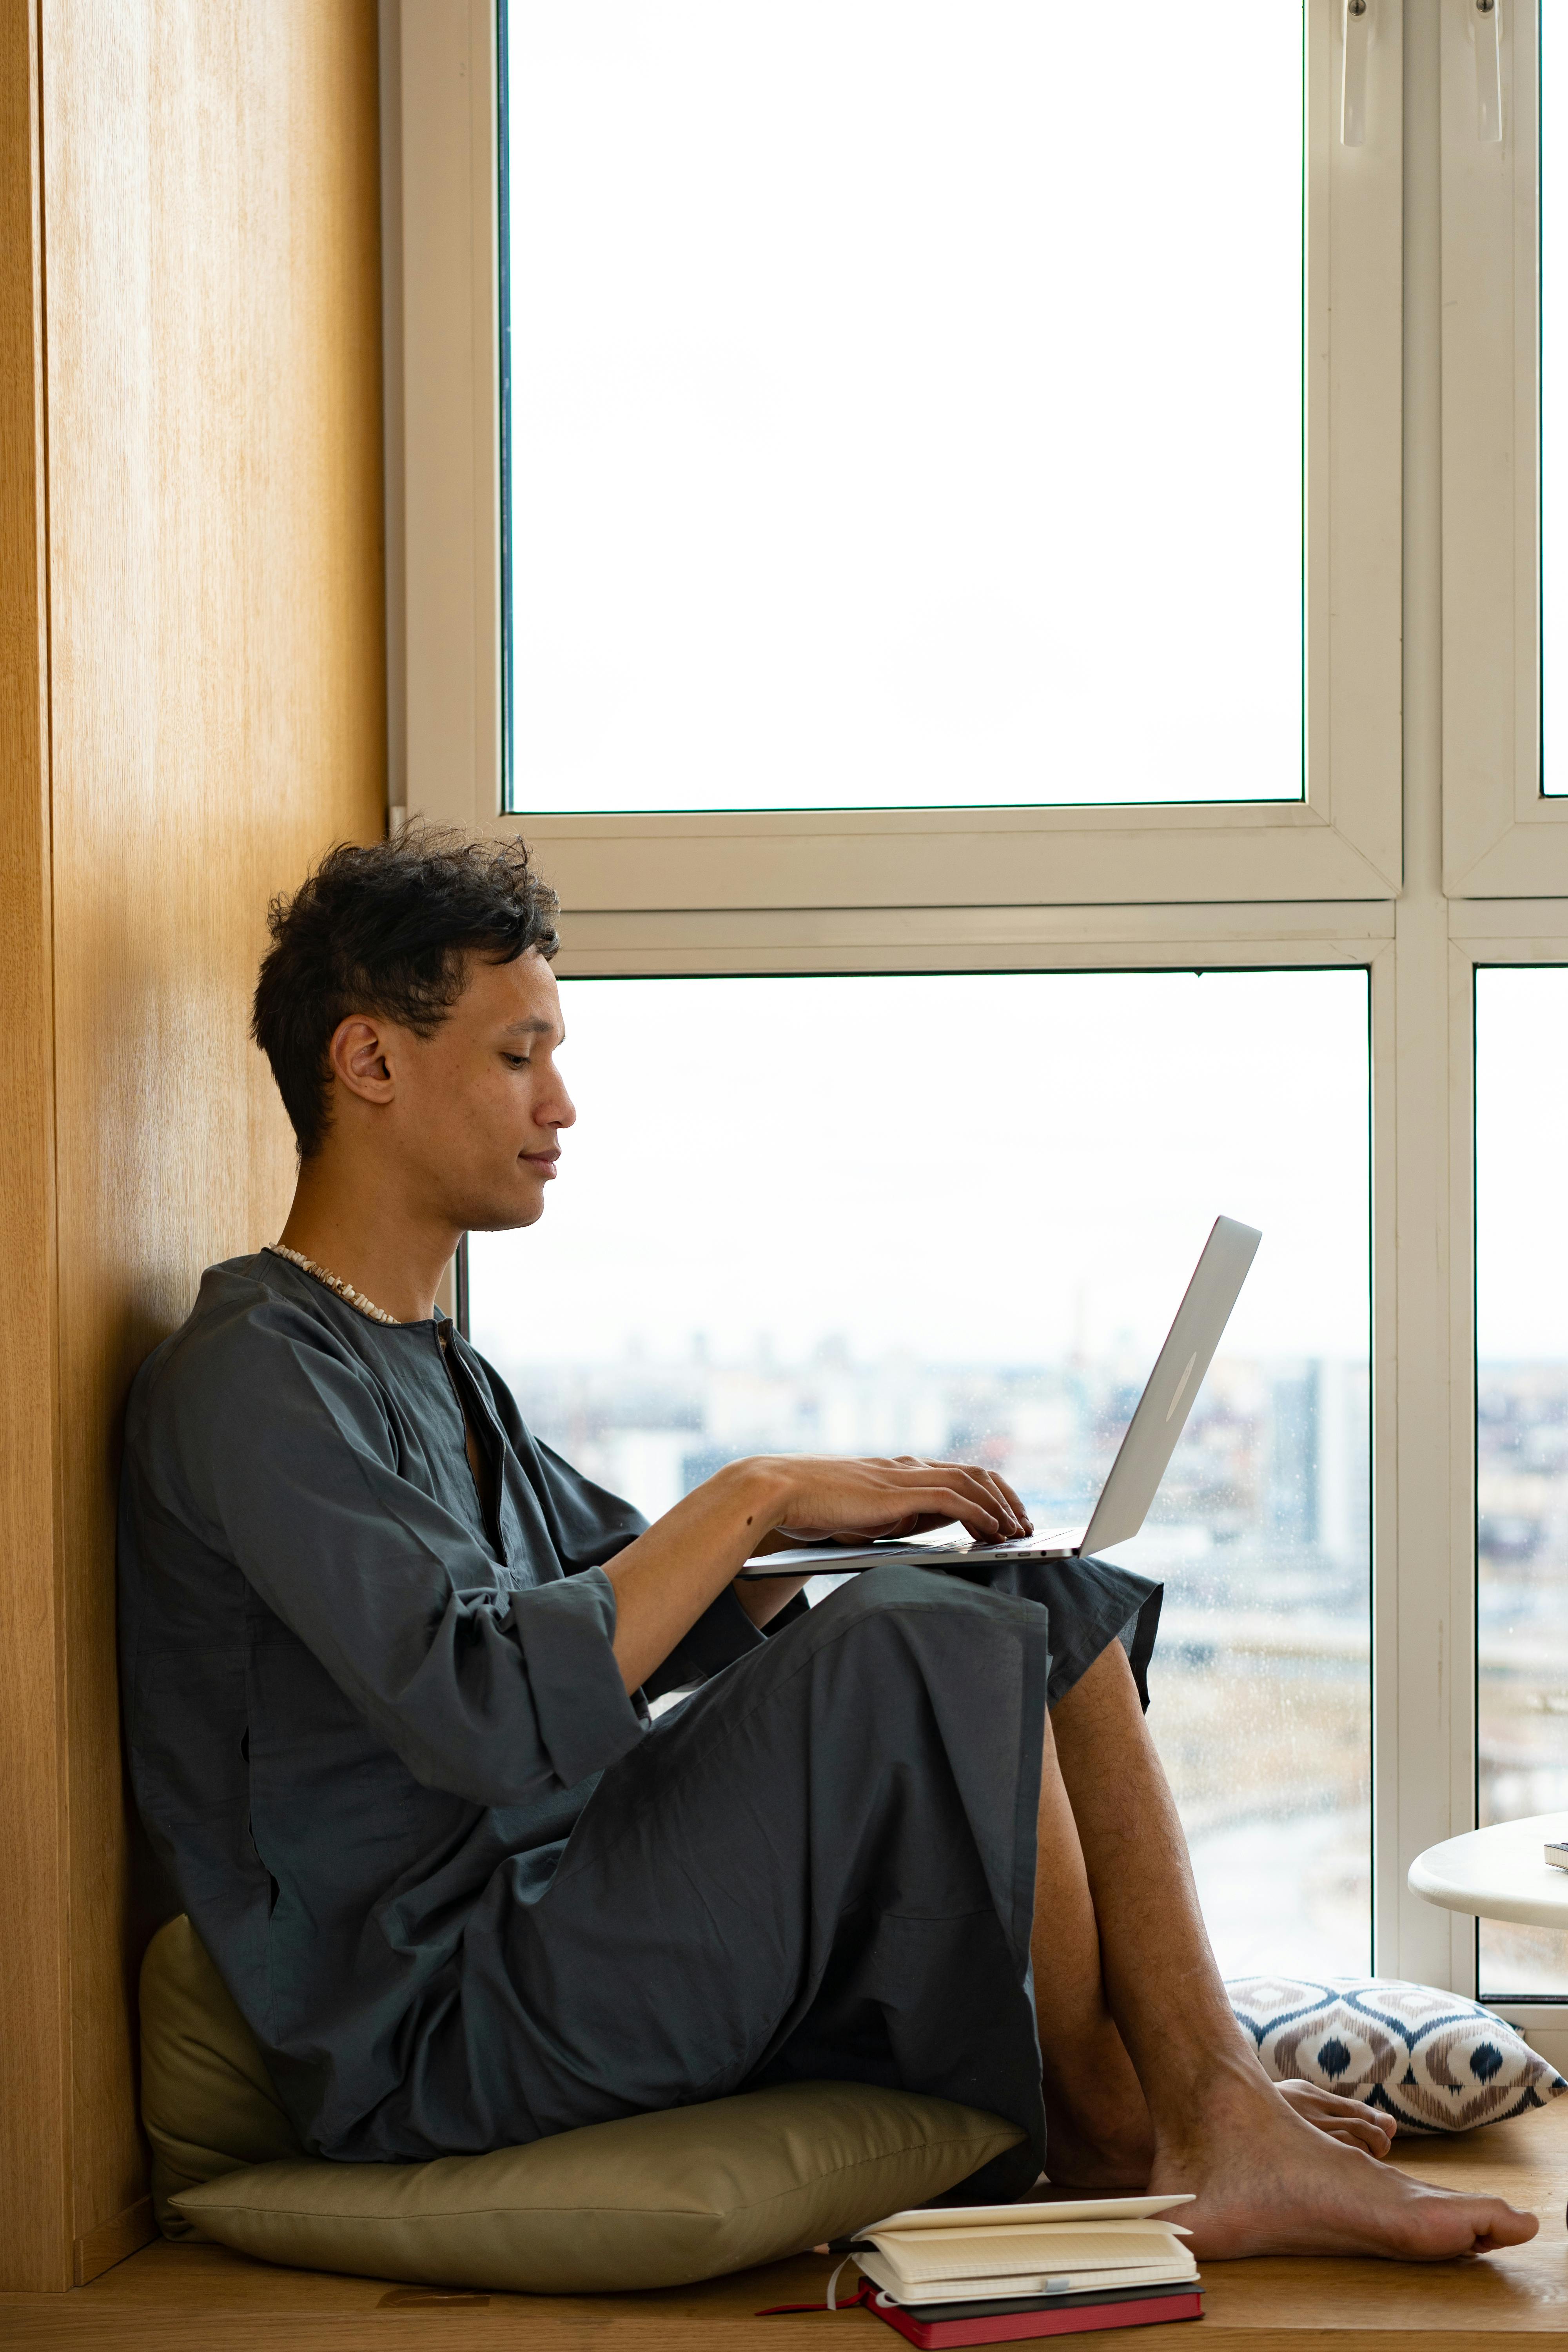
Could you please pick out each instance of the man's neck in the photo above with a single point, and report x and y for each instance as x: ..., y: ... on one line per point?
x: 387, y: 1253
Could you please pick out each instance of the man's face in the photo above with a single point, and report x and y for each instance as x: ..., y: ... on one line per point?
x: 476, y: 1112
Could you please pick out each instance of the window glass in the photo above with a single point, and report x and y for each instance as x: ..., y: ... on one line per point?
x: 903, y: 409
x: 1553, y: 355
x: 1521, y: 1435
x: 954, y: 1215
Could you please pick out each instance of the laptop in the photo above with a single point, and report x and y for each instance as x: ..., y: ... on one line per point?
x: 1142, y: 1459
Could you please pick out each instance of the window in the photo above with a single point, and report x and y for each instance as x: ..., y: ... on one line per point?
x: 904, y: 1213
x: 979, y: 819
x: 703, y: 377
x: 1522, y: 1411
x: 855, y: 425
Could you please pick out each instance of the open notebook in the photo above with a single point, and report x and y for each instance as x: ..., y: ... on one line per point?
x: 956, y: 2253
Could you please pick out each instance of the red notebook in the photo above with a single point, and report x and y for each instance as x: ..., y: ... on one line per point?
x: 1010, y: 2323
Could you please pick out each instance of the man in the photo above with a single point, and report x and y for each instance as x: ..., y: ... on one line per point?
x: 386, y: 1662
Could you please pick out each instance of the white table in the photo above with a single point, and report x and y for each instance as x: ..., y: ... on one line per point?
x: 1499, y: 1873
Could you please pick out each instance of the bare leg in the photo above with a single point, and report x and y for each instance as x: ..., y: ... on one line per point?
x: 1099, y: 2135
x: 1266, y: 2181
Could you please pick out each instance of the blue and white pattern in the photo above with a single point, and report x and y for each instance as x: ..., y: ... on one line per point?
x: 1436, y: 2061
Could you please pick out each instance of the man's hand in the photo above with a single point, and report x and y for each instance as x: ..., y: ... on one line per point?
x: 668, y: 1577
x: 830, y: 1501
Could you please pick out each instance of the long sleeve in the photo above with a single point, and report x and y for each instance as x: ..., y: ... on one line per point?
x: 721, y: 1634
x: 499, y: 1685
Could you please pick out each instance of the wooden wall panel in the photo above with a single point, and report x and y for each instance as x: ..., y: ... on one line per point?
x: 216, y: 687
x: 34, y: 2153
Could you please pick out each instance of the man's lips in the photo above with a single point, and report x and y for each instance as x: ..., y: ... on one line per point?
x: 543, y: 1161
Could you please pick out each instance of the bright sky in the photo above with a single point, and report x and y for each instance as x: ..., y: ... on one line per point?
x: 882, y: 371
x: 981, y: 1167
x: 1521, y: 1150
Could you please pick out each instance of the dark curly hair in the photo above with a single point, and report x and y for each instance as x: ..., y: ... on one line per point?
x: 388, y: 928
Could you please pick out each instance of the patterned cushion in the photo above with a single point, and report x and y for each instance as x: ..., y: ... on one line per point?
x: 1438, y: 2063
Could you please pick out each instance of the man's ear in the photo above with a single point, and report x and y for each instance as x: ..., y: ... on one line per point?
x: 359, y: 1054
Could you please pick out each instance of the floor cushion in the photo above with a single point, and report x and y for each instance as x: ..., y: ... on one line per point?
x: 646, y: 2200
x: 1436, y: 2061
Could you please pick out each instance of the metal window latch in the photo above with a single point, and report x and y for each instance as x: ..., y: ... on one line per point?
x: 1357, y: 31
x: 1488, y: 25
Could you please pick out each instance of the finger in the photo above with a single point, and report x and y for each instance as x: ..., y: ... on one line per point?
x: 975, y: 1512
x: 933, y: 1506
x: 1015, y: 1500
x: 1006, y: 1503
x: 936, y: 1492
x: 1000, y: 1493
x: 997, y: 1497
x: 977, y: 1485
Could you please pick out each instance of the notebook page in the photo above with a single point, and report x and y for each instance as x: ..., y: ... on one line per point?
x: 1031, y: 2215
x: 951, y: 2253
x: 886, y: 2275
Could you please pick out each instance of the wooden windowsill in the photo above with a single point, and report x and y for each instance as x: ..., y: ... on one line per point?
x: 189, y: 2298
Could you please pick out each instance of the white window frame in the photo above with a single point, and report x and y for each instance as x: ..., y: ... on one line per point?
x: 1502, y: 837
x: 1504, y: 843
x: 1352, y: 877
x: 1342, y: 841
x: 1516, y: 932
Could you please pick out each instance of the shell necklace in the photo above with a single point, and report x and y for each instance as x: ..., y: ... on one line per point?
x: 345, y: 1290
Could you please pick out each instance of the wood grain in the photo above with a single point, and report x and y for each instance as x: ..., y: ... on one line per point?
x: 180, y: 2298
x: 35, y: 2244
x: 215, y: 718
x: 215, y: 497
x: 111, y: 2242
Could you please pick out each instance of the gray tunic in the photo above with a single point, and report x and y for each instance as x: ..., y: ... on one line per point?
x: 463, y: 1890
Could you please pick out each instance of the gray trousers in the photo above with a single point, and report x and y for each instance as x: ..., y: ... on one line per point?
x: 821, y: 1865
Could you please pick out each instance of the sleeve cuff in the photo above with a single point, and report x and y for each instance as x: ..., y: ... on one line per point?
x: 585, y: 1715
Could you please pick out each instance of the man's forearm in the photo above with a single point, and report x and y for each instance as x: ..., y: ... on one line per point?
x: 668, y: 1577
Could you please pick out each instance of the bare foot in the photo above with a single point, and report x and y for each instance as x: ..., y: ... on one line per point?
x: 1109, y: 2152
x: 1350, y: 2120
x: 1267, y: 2183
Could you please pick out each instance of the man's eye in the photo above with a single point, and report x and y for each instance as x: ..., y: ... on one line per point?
x: 518, y: 1061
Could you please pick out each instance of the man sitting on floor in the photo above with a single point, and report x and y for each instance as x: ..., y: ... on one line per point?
x: 387, y: 1664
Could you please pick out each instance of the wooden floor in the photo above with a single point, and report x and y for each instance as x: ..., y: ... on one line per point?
x: 186, y: 2299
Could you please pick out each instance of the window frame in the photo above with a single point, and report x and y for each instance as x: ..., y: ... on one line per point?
x: 1502, y: 836
x: 1515, y: 933
x: 1342, y: 840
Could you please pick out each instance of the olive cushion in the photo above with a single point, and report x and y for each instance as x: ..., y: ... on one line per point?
x: 646, y: 2200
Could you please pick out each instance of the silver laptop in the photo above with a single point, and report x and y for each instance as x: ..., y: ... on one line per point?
x: 1142, y: 1458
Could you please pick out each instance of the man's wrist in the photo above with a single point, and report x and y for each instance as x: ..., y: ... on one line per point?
x: 762, y: 1493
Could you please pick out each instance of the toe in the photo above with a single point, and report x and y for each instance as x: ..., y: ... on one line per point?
x: 1485, y: 2226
